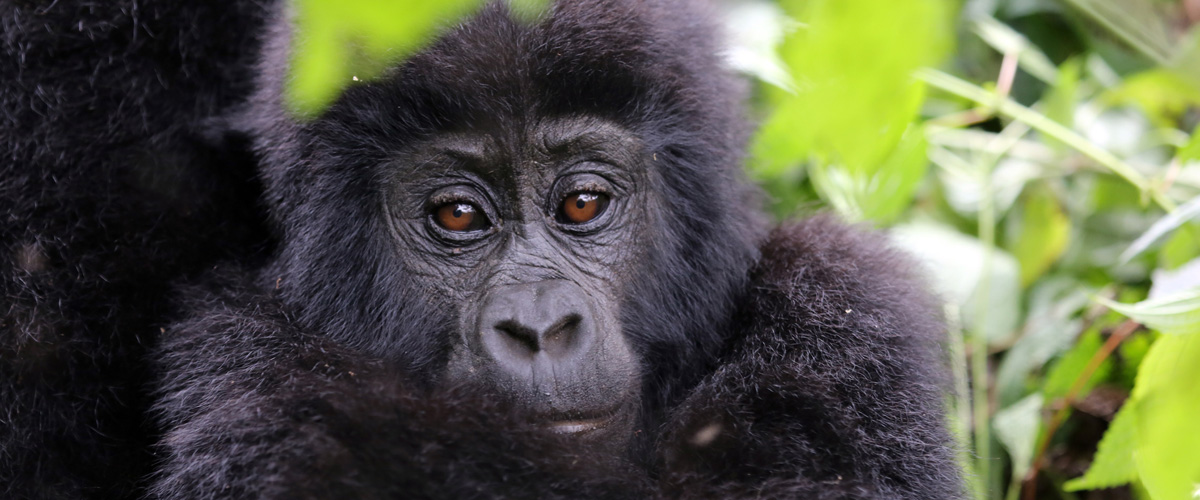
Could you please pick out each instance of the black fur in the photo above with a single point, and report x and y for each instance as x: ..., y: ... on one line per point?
x: 114, y: 185
x: 803, y: 363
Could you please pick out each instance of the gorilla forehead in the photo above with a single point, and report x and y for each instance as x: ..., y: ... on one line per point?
x: 632, y: 64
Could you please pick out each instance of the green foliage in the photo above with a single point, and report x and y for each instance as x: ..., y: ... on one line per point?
x: 340, y: 42
x: 1180, y: 248
x: 1163, y: 96
x: 1041, y: 233
x: 1166, y: 400
x: 337, y: 43
x: 1071, y: 368
x: 1113, y: 464
x: 1178, y: 313
x: 851, y: 119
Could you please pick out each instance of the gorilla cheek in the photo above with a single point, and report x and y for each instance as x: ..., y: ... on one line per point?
x: 555, y: 351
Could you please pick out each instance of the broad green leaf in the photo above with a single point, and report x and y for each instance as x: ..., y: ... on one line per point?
x: 337, y: 43
x: 1017, y: 428
x: 1063, y: 97
x: 1191, y: 150
x: 1167, y: 398
x: 1176, y: 314
x: 1109, y: 193
x: 892, y: 187
x: 1042, y: 235
x: 851, y: 120
x: 1184, y: 213
x: 1162, y: 95
x: 1182, y: 247
x: 1070, y: 367
x: 1113, y: 464
x: 880, y: 196
x: 957, y: 264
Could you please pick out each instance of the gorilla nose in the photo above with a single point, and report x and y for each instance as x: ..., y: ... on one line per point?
x: 520, y: 322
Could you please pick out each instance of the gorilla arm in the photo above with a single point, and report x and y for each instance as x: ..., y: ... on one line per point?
x: 831, y: 390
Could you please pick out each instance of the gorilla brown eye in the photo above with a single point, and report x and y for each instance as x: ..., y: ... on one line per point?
x: 459, y: 217
x: 582, y: 207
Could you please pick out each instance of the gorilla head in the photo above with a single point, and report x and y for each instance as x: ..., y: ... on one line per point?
x: 552, y: 213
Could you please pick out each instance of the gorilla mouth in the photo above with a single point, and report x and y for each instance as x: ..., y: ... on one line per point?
x: 578, y: 425
x: 581, y: 426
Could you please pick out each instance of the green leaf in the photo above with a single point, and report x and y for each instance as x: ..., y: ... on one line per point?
x: 1042, y: 238
x: 1169, y: 222
x: 1017, y: 428
x: 1050, y: 330
x: 1191, y: 150
x: 880, y: 196
x: 1167, y: 398
x: 1182, y: 247
x: 337, y: 43
x: 851, y: 120
x: 1176, y: 314
x: 1071, y: 365
x: 1162, y: 95
x: 1113, y: 464
x: 1062, y: 98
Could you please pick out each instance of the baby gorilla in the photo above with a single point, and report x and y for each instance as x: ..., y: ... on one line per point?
x: 524, y: 263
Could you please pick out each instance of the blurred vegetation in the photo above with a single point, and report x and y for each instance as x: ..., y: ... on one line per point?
x: 1039, y: 155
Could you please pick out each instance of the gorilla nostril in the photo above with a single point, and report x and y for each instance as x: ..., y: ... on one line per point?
x: 525, y: 338
x: 540, y: 323
x: 561, y: 333
x: 555, y: 338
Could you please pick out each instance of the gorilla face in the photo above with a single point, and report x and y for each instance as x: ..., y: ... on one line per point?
x: 550, y: 214
x: 529, y: 236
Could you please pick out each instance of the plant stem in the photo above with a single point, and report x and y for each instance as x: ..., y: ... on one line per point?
x: 1045, y: 125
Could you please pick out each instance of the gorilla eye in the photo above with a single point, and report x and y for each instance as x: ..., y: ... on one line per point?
x: 459, y: 217
x: 579, y: 208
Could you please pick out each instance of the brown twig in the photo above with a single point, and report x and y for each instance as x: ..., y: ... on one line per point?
x: 1122, y: 332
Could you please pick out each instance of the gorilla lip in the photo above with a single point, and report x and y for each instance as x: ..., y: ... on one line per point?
x: 583, y: 424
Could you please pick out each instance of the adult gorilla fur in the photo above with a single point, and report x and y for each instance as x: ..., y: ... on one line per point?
x: 163, y: 338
